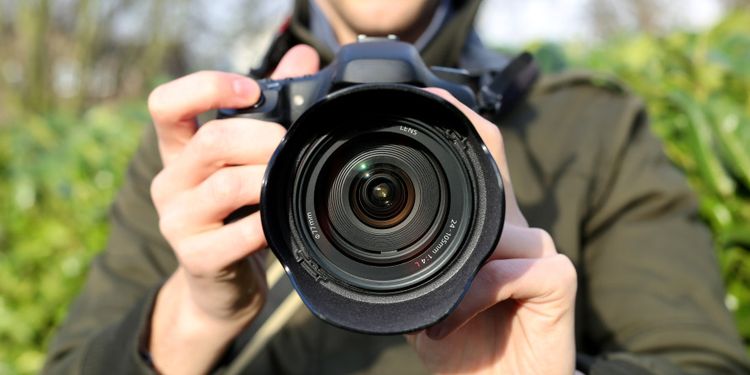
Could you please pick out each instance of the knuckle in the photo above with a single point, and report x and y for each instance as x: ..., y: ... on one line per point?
x: 245, y: 236
x: 567, y: 268
x: 212, y: 83
x: 157, y: 105
x: 492, y: 275
x: 196, y: 265
x: 566, y: 274
x: 170, y: 226
x: 209, y: 138
x: 190, y: 256
x: 546, y: 241
x: 272, y: 136
x: 158, y: 189
x: 224, y: 184
x: 250, y: 236
x: 275, y: 132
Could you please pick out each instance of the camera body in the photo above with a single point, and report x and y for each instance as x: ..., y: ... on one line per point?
x: 381, y: 202
x: 369, y: 61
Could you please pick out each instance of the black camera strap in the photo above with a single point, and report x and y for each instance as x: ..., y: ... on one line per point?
x: 498, y: 91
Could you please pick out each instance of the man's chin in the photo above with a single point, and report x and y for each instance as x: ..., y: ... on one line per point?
x: 381, y: 30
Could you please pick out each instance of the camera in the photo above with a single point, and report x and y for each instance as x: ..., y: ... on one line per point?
x: 381, y: 202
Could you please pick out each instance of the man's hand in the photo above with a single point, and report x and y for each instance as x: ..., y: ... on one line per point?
x: 518, y: 315
x: 219, y: 287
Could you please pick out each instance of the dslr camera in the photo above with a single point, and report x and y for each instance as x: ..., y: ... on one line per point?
x: 381, y: 202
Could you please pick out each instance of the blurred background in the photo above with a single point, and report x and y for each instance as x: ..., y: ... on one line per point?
x: 74, y: 75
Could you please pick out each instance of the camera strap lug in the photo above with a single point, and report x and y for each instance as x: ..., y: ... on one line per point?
x: 500, y: 90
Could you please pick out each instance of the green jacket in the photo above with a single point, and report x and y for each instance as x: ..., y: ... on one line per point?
x: 585, y: 168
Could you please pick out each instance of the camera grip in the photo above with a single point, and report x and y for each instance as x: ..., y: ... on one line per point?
x: 268, y: 107
x: 281, y: 101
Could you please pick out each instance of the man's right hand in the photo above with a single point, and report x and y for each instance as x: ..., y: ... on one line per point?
x: 219, y: 286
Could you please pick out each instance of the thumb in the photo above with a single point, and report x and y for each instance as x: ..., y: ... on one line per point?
x: 298, y: 61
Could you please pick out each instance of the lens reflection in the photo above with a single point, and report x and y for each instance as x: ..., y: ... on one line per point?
x: 382, y: 196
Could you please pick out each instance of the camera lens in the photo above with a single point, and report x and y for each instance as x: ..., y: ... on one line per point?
x: 382, y: 196
x: 382, y: 214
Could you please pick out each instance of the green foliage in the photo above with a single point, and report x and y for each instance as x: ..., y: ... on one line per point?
x: 697, y: 88
x: 58, y: 174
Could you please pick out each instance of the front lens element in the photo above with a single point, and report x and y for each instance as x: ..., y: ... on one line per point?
x: 382, y: 196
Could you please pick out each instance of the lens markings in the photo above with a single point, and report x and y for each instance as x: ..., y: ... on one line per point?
x: 311, y: 224
x: 427, y: 258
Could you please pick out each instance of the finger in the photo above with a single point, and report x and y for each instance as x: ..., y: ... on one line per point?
x: 298, y: 61
x: 174, y: 105
x: 217, y: 144
x: 549, y: 282
x: 483, y: 126
x: 493, y: 139
x: 209, y: 253
x: 206, y: 206
x: 520, y: 242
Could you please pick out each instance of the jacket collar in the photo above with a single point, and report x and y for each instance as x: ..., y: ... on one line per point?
x: 445, y: 49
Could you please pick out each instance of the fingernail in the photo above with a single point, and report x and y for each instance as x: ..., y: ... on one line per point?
x: 243, y: 87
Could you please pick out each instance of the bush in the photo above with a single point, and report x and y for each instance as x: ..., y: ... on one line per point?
x: 58, y: 175
x: 697, y: 88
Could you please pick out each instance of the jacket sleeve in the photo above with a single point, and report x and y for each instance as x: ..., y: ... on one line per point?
x: 107, y: 321
x: 649, y: 271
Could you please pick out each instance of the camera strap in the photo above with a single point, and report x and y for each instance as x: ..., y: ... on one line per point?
x: 498, y: 91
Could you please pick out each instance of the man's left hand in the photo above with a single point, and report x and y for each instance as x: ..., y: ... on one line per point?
x: 518, y: 315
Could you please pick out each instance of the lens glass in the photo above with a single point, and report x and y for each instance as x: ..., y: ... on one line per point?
x: 382, y: 196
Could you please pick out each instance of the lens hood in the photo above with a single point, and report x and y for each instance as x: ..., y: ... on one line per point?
x: 408, y: 266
